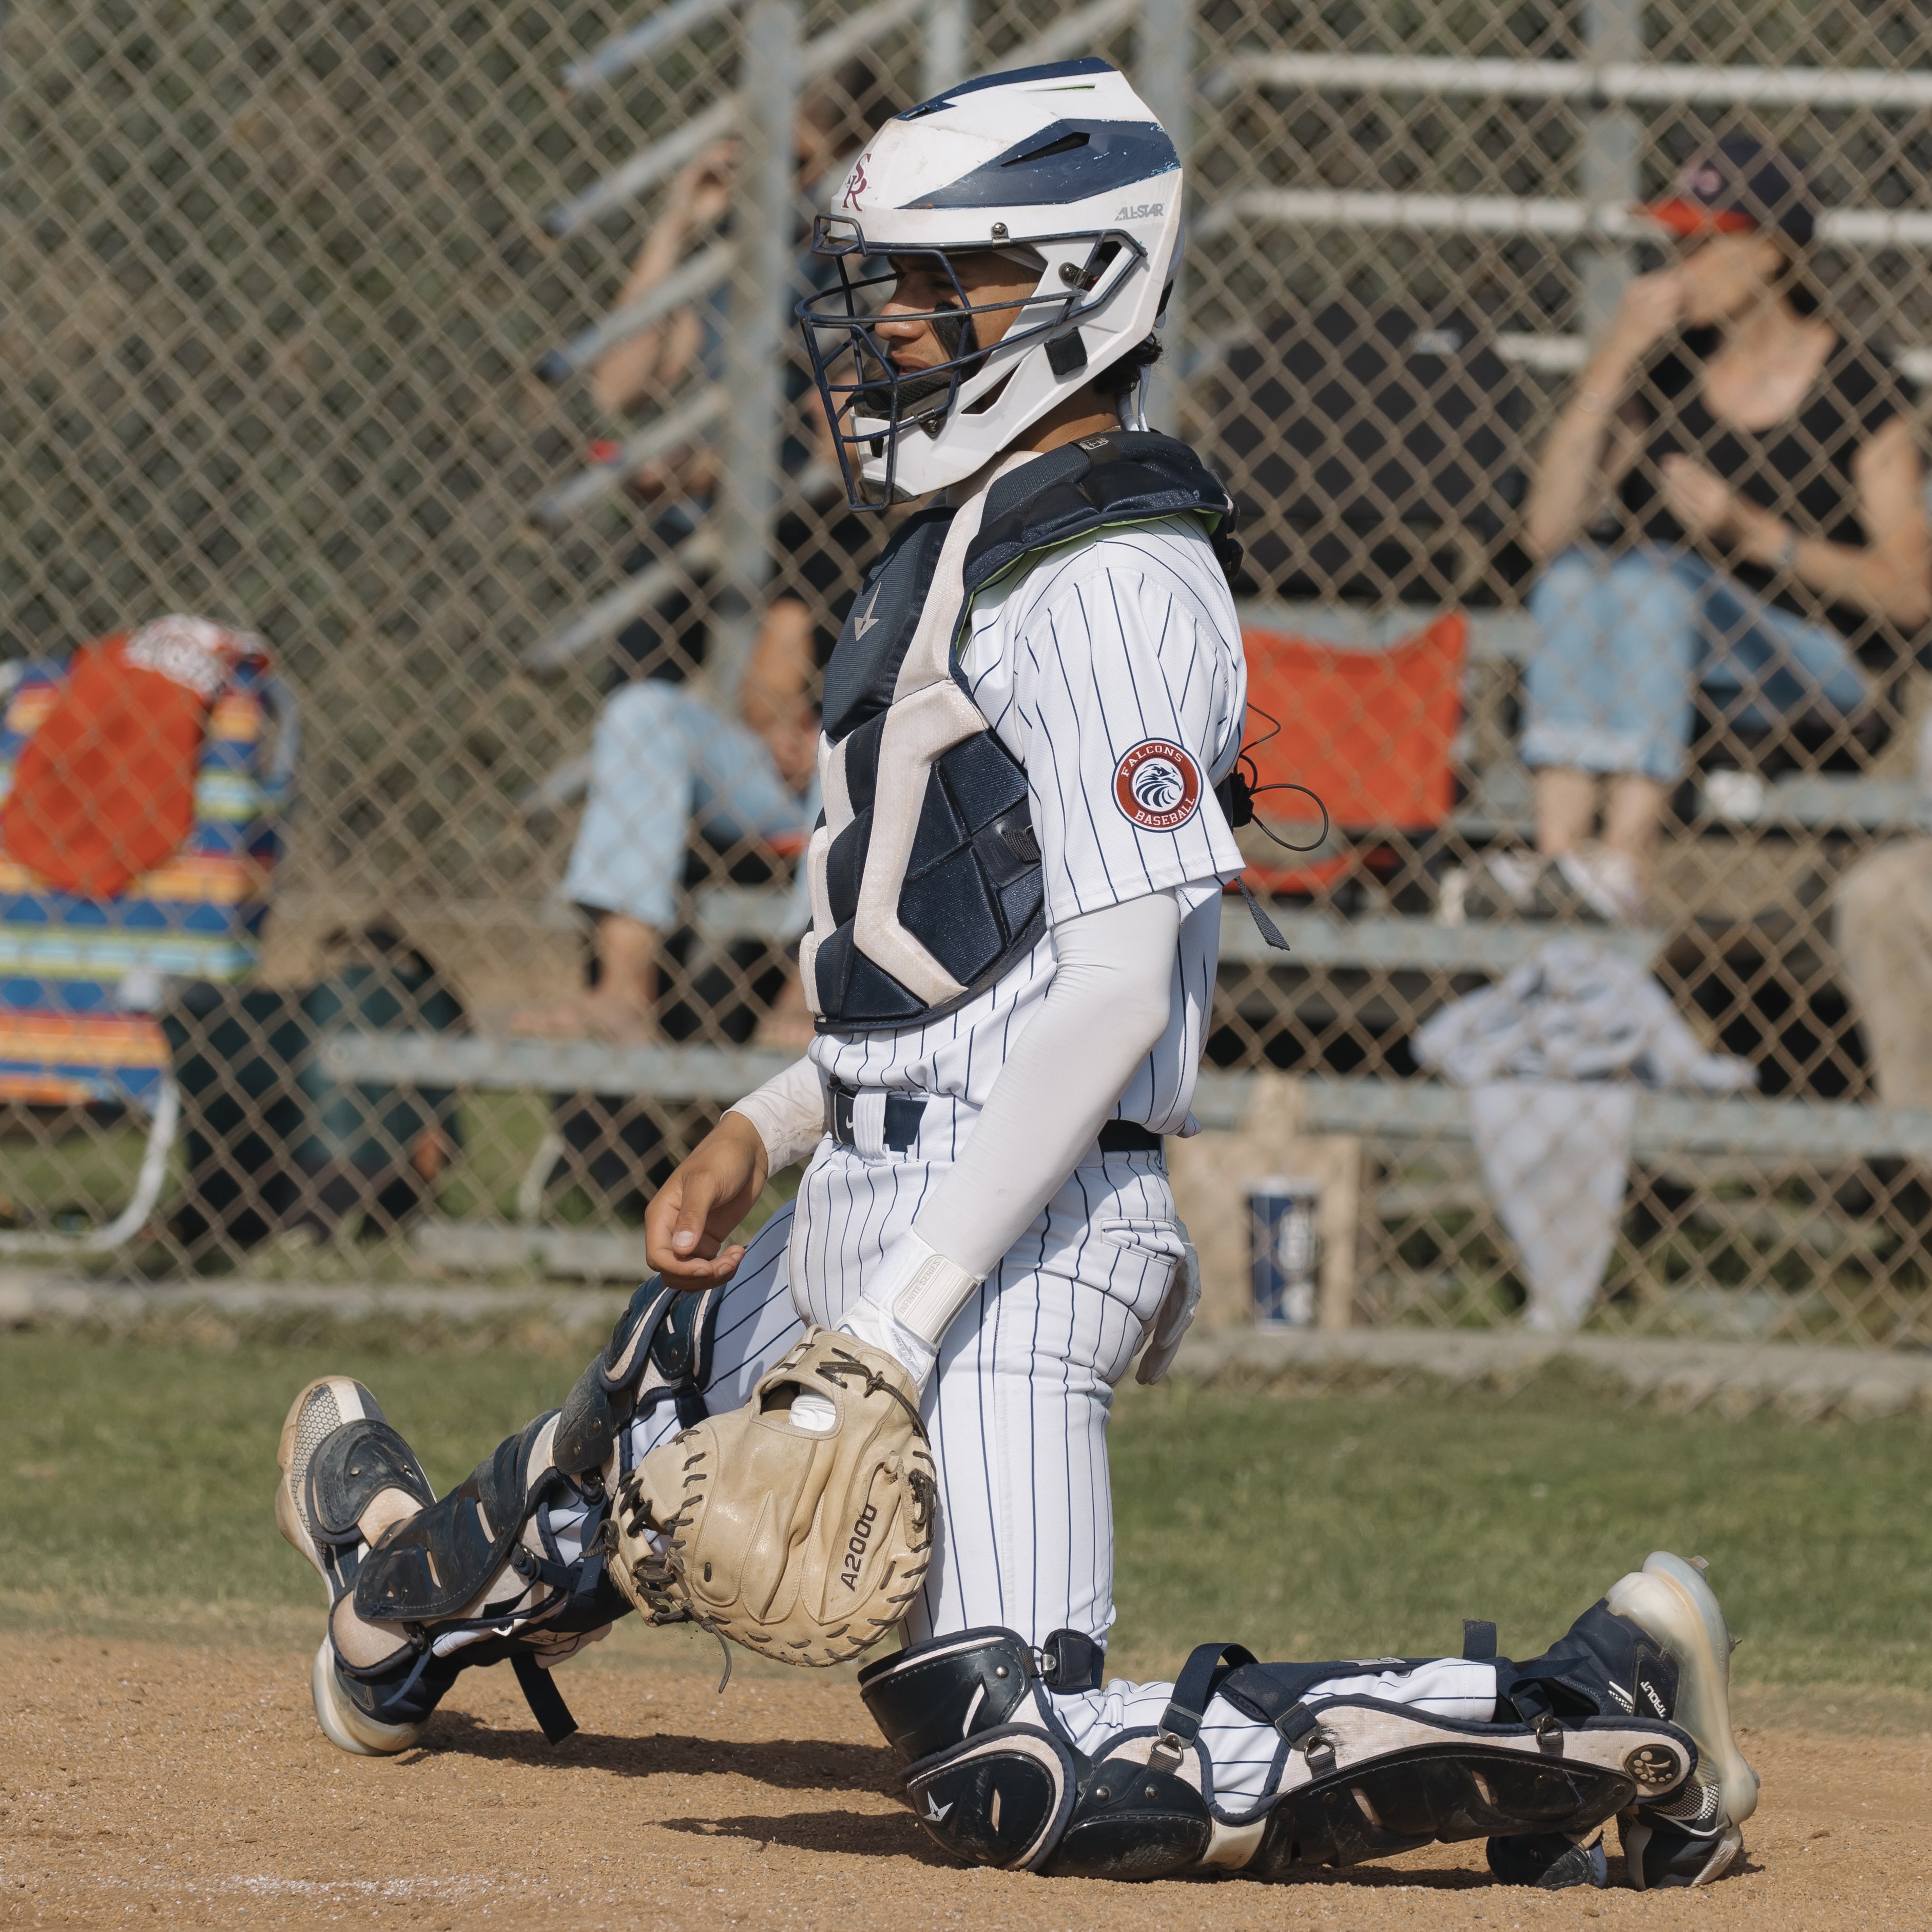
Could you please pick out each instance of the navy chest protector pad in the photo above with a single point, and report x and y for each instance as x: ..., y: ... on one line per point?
x: 970, y: 892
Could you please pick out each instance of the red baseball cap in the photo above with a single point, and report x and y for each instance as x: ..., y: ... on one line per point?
x: 1738, y: 187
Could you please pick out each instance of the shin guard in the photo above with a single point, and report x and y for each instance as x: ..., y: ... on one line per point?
x: 994, y: 1780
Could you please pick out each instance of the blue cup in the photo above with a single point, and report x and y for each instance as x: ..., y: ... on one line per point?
x: 1285, y: 1249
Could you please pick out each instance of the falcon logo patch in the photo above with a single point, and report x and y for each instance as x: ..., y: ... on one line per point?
x: 1157, y: 786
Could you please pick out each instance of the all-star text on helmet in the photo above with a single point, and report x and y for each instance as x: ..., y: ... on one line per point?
x: 1062, y: 173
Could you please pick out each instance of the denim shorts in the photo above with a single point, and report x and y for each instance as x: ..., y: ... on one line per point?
x: 1624, y: 641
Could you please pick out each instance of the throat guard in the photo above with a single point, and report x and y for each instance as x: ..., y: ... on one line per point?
x: 926, y: 878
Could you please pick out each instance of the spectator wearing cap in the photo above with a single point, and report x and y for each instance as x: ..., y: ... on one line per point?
x: 1731, y: 498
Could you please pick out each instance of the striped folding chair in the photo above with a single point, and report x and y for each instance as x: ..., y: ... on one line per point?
x: 81, y: 979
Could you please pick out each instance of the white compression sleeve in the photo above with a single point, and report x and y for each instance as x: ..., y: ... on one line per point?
x: 1108, y: 1006
x: 788, y: 1110
x: 1106, y: 1009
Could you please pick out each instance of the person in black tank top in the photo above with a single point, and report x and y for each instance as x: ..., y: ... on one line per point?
x: 1732, y: 498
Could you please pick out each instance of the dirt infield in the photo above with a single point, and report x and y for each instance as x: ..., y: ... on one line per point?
x: 186, y: 1786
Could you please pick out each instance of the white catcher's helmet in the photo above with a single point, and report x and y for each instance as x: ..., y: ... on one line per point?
x: 1064, y: 163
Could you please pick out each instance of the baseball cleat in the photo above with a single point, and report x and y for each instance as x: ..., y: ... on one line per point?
x: 347, y: 1477
x: 1551, y: 1860
x: 345, y: 1723
x: 1695, y: 1836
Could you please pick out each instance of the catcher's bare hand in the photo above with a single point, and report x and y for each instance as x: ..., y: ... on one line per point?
x: 712, y: 1191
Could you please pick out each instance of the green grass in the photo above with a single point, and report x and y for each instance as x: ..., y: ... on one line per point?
x: 135, y: 1482
x: 1358, y: 1525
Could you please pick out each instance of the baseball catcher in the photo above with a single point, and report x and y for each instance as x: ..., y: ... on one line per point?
x: 887, y: 1414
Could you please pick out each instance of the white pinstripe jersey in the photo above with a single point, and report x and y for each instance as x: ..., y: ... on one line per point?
x: 1112, y: 670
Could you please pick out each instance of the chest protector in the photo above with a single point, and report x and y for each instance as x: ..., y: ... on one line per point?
x: 925, y: 871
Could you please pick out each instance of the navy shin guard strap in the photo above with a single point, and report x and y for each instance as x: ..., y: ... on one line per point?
x: 1301, y: 1730
x: 392, y: 1705
x: 544, y: 1698
x: 1193, y: 1691
x: 568, y: 1577
x: 1479, y: 1640
x: 1067, y: 1660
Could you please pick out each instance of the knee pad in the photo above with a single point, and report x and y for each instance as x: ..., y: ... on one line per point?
x: 993, y: 1782
x: 659, y: 1352
x: 930, y: 1696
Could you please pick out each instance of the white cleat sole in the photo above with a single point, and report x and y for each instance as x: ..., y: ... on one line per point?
x: 322, y: 1407
x: 345, y: 1727
x: 338, y: 1398
x: 1670, y: 1599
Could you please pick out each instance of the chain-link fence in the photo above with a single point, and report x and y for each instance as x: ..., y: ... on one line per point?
x: 437, y: 351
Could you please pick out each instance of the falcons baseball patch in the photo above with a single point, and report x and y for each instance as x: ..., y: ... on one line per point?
x: 1157, y: 785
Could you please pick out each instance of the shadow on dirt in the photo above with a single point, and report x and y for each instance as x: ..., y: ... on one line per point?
x: 861, y: 1834
x: 786, y: 1764
x: 897, y: 1835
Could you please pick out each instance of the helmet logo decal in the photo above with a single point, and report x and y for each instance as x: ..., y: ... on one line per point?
x: 1157, y: 785
x: 1141, y: 210
x: 855, y: 182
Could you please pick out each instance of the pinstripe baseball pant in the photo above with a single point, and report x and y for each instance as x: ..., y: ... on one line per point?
x: 1018, y: 1414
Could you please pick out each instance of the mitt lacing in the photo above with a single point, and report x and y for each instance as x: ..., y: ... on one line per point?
x: 842, y: 1367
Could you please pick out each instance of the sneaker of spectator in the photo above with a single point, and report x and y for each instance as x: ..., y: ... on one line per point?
x: 1593, y: 886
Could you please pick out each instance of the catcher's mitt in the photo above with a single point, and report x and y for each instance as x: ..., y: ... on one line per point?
x: 802, y: 1536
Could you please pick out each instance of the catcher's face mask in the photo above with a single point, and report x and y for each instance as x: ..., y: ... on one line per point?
x: 909, y: 335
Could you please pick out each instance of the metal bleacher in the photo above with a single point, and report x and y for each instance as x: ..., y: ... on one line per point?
x: 1711, y: 1136
x: 1755, y: 1132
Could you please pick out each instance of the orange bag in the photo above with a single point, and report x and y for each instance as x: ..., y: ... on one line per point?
x: 1369, y: 732
x: 104, y: 790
